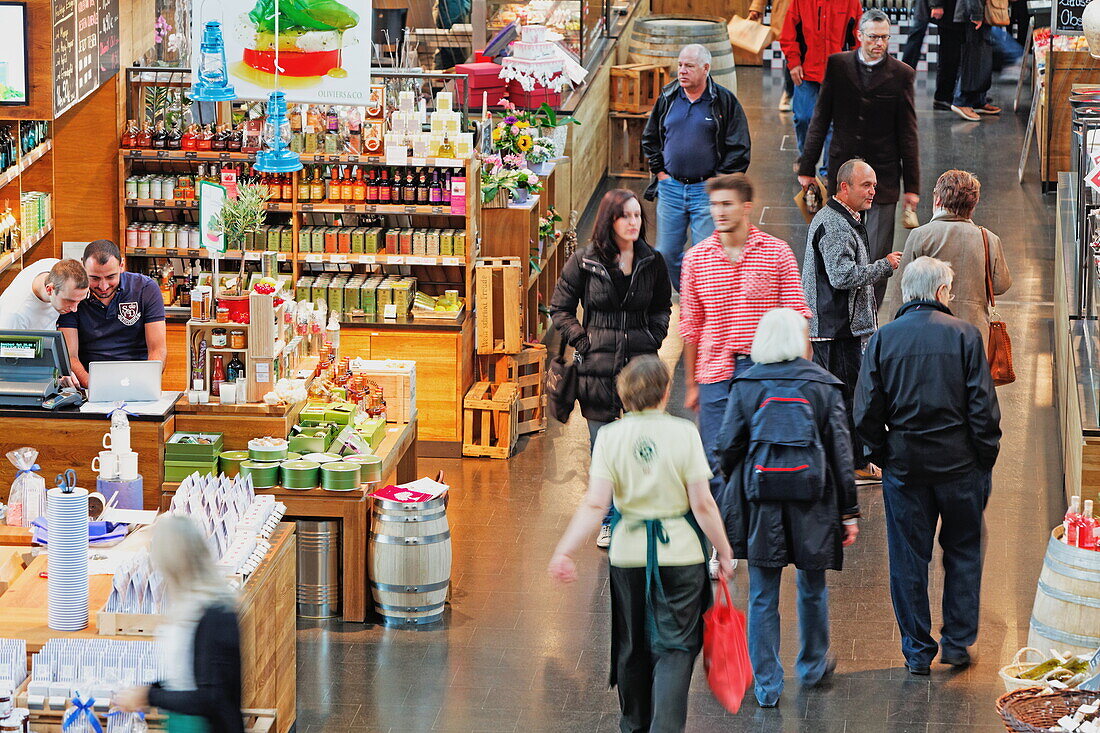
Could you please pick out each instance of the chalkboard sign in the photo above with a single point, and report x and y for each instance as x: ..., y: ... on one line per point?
x: 85, y: 49
x: 1067, y: 17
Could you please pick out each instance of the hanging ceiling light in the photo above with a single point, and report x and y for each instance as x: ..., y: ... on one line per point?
x: 277, y: 157
x: 211, y: 78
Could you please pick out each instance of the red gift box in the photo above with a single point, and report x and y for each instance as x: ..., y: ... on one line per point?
x: 484, y: 75
x: 533, y: 99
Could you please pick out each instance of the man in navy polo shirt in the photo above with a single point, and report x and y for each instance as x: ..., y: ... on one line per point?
x: 121, y: 320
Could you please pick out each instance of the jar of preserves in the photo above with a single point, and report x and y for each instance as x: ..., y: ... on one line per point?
x: 222, y: 314
x: 236, y: 339
x: 218, y: 338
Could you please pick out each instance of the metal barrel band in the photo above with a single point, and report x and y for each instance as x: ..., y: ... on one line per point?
x: 391, y: 588
x: 404, y: 506
x: 1069, y: 570
x: 418, y: 621
x: 387, y: 539
x: 409, y: 609
x: 1061, y: 595
x: 1064, y: 637
x: 409, y: 517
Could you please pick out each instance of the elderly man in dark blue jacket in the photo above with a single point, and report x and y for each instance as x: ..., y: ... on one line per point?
x: 927, y: 413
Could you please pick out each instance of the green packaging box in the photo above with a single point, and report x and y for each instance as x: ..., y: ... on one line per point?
x: 373, y: 431
x: 316, y: 442
x: 274, y: 236
x: 373, y: 240
x: 358, y: 240
x: 179, y: 470
x: 286, y: 239
x: 446, y: 243
x: 185, y: 447
x: 352, y: 296
x: 340, y: 414
x: 312, y: 414
x: 317, y: 239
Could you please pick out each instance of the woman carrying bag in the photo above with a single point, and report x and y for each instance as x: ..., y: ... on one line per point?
x: 653, y: 467
x: 199, y: 642
x: 623, y: 287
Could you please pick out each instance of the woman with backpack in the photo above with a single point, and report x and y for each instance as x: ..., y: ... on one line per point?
x: 622, y: 285
x: 790, y: 496
x: 652, y: 465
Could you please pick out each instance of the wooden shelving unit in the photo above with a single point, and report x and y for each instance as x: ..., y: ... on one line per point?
x: 29, y: 243
x: 33, y: 171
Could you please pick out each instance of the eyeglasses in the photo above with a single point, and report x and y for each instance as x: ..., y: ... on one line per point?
x: 876, y: 37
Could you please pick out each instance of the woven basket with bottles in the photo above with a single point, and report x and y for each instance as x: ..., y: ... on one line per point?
x: 1037, y: 711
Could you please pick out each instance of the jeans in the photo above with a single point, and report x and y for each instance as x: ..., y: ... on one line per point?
x: 712, y: 411
x: 910, y: 52
x: 1006, y: 51
x: 912, y: 511
x: 813, y: 628
x: 802, y: 108
x: 593, y: 428
x: 680, y: 206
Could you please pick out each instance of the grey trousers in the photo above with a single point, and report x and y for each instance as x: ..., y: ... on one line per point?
x: 880, y: 238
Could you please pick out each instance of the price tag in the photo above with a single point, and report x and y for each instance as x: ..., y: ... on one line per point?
x: 194, y: 253
x: 162, y: 153
x: 136, y: 154
x: 350, y: 209
x: 340, y: 259
x: 370, y: 209
x: 224, y: 156
x: 390, y: 311
x: 367, y: 259
x: 253, y: 256
x: 315, y: 257
x: 132, y: 202
x: 418, y: 162
x: 138, y: 251
x: 159, y: 203
x: 353, y: 158
x: 318, y: 159
x: 437, y: 209
x: 182, y: 204
x: 395, y: 260
x: 190, y: 154
x: 419, y: 260
x: 334, y: 159
x: 410, y: 209
x: 452, y: 262
x: 307, y: 207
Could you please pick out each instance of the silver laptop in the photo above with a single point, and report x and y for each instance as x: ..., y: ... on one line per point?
x: 124, y: 381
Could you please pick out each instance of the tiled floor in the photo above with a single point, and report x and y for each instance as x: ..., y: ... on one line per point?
x: 518, y: 653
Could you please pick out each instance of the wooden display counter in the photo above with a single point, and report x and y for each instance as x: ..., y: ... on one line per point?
x: 352, y: 508
x: 238, y: 424
x: 1053, y: 113
x: 267, y: 616
x: 69, y: 438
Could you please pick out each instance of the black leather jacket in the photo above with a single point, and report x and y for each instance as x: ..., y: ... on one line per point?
x: 731, y: 136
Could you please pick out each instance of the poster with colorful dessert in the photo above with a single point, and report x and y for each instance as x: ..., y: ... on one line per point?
x: 323, y: 48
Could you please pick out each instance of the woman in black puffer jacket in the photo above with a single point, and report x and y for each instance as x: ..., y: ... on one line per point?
x: 622, y: 284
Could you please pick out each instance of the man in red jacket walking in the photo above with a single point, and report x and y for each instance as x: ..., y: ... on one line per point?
x: 813, y: 30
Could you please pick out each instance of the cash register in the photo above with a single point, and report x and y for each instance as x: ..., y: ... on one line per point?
x: 32, y: 365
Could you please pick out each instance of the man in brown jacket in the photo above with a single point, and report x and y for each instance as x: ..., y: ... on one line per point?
x: 867, y: 98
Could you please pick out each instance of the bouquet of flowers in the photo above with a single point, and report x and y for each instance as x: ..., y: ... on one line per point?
x: 515, y: 133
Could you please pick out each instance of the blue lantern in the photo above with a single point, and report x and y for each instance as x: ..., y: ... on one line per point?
x: 211, y: 77
x: 277, y: 157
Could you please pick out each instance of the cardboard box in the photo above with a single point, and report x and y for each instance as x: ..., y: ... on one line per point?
x: 179, y: 470
x: 398, y: 382
x: 180, y: 447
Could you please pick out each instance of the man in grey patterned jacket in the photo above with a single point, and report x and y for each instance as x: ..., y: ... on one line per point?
x: 838, y: 279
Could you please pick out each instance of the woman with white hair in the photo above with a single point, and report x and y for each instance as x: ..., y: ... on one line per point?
x: 199, y: 643
x: 790, y: 496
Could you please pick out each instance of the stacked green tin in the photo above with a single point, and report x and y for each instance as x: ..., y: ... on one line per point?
x: 300, y: 474
x: 257, y: 451
x: 188, y: 453
x: 265, y: 474
x: 370, y: 468
x: 340, y: 476
x: 230, y: 461
x: 323, y: 457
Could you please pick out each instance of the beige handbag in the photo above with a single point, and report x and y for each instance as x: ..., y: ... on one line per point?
x: 749, y: 35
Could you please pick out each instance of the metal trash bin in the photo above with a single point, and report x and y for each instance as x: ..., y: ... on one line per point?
x: 318, y: 568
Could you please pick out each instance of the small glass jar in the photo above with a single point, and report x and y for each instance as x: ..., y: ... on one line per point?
x: 222, y: 314
x: 236, y: 339
x: 217, y: 338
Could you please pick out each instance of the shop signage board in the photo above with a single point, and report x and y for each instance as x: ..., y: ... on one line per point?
x: 1067, y: 17
x: 324, y: 48
x: 85, y: 49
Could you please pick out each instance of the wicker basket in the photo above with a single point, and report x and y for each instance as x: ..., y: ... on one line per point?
x: 1009, y: 673
x: 1035, y: 711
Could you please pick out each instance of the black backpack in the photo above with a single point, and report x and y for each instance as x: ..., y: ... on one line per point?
x: 786, y: 460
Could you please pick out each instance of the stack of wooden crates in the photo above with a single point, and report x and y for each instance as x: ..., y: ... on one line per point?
x: 509, y: 399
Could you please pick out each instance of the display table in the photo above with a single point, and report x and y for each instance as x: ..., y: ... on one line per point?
x: 71, y: 439
x: 266, y: 613
x: 352, y: 508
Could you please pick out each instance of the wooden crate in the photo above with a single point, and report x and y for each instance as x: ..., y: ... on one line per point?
x: 527, y: 370
x: 636, y: 87
x: 499, y: 309
x: 111, y: 623
x: 624, y: 150
x: 491, y: 414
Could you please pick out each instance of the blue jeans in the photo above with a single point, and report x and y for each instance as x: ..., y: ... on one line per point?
x: 912, y: 511
x: 680, y: 206
x: 712, y: 411
x: 813, y: 628
x: 802, y: 108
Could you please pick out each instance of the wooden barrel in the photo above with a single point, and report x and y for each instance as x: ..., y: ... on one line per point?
x: 1066, y: 614
x: 657, y: 39
x: 409, y: 561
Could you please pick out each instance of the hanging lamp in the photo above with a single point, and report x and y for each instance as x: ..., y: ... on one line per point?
x: 211, y: 78
x: 277, y: 157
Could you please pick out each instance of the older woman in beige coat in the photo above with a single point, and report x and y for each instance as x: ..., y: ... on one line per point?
x: 952, y: 236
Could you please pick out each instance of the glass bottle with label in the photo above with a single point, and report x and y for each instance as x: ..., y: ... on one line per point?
x: 217, y: 374
x: 175, y: 138
x: 359, y: 187
x: 234, y: 370
x: 347, y: 186
x: 316, y: 186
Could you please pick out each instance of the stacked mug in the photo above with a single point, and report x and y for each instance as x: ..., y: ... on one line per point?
x: 117, y: 468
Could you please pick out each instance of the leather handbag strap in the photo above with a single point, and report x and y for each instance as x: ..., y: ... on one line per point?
x: 988, y: 273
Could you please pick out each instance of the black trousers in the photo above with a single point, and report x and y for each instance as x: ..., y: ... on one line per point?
x: 910, y: 52
x: 653, y: 685
x: 842, y: 358
x: 948, y: 58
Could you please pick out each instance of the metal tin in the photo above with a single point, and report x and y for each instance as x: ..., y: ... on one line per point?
x: 229, y: 462
x: 300, y: 474
x: 342, y: 476
x: 131, y: 236
x: 156, y: 188
x: 132, y: 187
x: 265, y: 474
x: 156, y: 237
x: 370, y: 468
x: 143, y: 188
x: 267, y: 453
x: 143, y: 235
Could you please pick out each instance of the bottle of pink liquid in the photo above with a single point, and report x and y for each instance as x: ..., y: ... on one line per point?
x: 1086, y: 532
x: 1069, y: 524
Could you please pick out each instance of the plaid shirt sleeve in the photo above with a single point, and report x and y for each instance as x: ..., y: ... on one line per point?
x: 691, y: 312
x: 791, y: 294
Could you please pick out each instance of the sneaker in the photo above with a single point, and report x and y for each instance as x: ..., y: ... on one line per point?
x: 869, y: 474
x: 988, y: 109
x: 965, y: 112
x: 941, y: 106
x: 603, y: 539
x: 785, y: 103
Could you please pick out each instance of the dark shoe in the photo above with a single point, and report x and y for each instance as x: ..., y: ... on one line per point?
x: 768, y: 705
x: 941, y: 106
x: 956, y: 659
x: 920, y: 671
x: 827, y: 675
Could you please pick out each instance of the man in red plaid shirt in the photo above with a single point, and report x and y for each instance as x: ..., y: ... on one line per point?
x: 729, y: 281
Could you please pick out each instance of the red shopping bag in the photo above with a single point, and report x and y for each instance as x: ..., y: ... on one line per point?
x: 726, y: 651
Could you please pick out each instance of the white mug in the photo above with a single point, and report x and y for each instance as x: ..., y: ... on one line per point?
x: 106, y: 464
x: 117, y: 440
x: 97, y: 502
x: 127, y: 465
